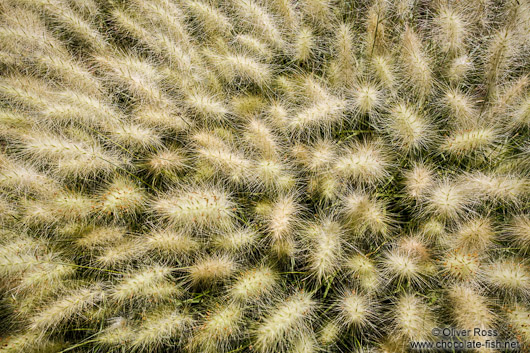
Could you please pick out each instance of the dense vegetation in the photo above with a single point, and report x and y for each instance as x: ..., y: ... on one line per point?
x: 262, y: 175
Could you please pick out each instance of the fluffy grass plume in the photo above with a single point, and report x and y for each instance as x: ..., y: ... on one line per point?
x: 262, y: 175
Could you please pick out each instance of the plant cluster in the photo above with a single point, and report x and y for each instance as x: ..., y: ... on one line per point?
x: 262, y: 175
